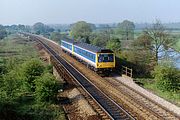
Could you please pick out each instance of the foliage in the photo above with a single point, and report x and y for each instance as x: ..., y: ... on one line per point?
x: 11, y: 63
x: 145, y: 49
x: 81, y: 30
x: 3, y: 69
x: 16, y: 101
x: 46, y: 88
x: 17, y: 28
x: 40, y: 28
x: 126, y: 28
x: 56, y: 36
x: 177, y: 45
x: 93, y: 27
x: 13, y: 84
x: 114, y: 44
x: 49, y: 69
x: 21, y: 104
x: 43, y: 111
x: 98, y: 39
x: 158, y: 37
x: 102, y: 37
x: 143, y: 42
x: 167, y: 78
x: 142, y: 56
x: 151, y: 85
x: 32, y: 70
x: 3, y: 32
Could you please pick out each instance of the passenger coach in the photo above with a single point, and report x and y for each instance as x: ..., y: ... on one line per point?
x: 99, y: 59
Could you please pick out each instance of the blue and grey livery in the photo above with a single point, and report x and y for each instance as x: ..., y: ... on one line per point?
x: 98, y: 58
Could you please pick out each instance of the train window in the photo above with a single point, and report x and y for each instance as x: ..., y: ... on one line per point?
x: 105, y: 58
x: 111, y: 57
x: 100, y: 58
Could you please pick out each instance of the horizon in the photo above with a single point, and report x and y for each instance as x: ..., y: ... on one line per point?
x: 143, y: 23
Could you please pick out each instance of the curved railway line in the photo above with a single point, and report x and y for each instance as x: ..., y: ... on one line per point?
x: 112, y: 109
x: 120, y: 96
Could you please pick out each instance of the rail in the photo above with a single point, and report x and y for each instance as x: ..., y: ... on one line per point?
x: 112, y: 109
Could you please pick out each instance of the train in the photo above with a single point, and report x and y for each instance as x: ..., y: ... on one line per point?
x: 98, y: 59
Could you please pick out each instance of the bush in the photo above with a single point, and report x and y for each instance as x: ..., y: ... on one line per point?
x: 3, y: 69
x: 13, y: 84
x: 32, y: 70
x: 167, y: 78
x: 46, y: 88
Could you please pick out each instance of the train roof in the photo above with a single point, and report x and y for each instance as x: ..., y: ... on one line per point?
x: 89, y: 47
x: 68, y: 40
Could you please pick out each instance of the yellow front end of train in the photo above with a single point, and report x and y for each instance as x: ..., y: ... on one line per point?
x: 105, y: 60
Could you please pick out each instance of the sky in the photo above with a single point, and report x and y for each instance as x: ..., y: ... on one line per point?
x: 29, y: 12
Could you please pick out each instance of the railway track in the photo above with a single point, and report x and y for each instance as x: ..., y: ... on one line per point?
x: 113, y: 110
x: 138, y: 105
x: 154, y: 108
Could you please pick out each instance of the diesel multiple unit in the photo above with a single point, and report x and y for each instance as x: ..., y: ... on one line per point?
x: 96, y: 58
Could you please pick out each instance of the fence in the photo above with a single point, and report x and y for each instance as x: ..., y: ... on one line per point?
x: 127, y: 71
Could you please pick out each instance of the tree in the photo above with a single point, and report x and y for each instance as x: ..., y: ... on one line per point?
x: 157, y: 37
x: 93, y: 27
x: 81, y: 30
x: 32, y: 69
x: 46, y: 88
x: 21, y: 27
x: 107, y: 32
x: 126, y: 28
x: 99, y: 39
x: 114, y: 44
x: 13, y: 84
x: 143, y: 55
x: 3, y: 32
x: 56, y: 36
x: 167, y: 77
x: 40, y: 28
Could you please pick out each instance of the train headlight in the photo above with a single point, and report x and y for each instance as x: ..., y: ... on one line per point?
x: 99, y: 65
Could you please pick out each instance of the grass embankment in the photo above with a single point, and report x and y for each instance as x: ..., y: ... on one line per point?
x: 177, y: 45
x: 23, y: 94
x: 150, y: 84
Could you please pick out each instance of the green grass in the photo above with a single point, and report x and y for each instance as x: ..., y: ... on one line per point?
x: 15, y: 46
x: 169, y: 96
x: 177, y: 45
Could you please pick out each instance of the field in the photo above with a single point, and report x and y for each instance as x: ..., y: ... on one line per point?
x: 177, y: 45
x: 16, y: 47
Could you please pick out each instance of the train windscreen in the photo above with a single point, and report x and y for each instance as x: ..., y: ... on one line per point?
x: 105, y: 58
